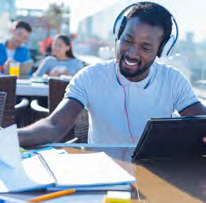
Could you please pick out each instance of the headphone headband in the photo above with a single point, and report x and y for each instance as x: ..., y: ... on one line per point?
x: 122, y: 20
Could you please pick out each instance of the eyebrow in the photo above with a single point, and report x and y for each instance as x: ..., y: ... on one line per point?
x: 147, y: 44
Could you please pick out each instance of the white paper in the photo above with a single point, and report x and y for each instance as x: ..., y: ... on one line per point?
x: 9, y: 147
x: 85, y: 169
x: 30, y: 175
x: 15, y: 174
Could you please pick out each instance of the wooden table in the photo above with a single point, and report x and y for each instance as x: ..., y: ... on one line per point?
x: 157, y: 181
x: 162, y: 181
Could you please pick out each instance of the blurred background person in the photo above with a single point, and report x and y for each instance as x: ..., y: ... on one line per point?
x: 62, y: 61
x: 14, y: 49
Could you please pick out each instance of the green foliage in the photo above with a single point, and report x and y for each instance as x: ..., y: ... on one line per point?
x: 56, y: 14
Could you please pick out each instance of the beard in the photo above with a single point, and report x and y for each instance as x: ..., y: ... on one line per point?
x: 133, y: 73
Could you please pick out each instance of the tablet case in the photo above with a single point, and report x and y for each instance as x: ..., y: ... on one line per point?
x: 172, y: 138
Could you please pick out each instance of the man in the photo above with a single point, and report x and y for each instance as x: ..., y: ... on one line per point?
x: 13, y: 49
x: 121, y: 95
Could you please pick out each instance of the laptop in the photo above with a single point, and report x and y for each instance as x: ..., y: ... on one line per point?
x: 167, y: 138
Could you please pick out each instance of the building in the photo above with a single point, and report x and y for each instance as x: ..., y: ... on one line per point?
x: 7, y: 14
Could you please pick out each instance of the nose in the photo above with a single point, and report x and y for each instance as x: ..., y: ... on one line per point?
x: 133, y: 53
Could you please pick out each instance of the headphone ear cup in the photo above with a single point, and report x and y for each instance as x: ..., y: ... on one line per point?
x: 166, y: 47
x: 121, y: 27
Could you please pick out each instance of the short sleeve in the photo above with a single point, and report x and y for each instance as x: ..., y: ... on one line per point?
x: 183, y: 93
x: 79, y: 87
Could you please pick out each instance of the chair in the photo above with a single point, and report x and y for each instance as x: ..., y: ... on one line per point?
x: 56, y: 93
x: 8, y: 85
x: 22, y: 112
x: 2, y: 104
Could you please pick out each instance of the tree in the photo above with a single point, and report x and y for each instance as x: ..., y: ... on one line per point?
x: 57, y: 15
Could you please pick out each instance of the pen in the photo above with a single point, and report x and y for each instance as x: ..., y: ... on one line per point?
x: 52, y: 195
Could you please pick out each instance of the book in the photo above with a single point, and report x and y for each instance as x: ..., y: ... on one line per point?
x: 51, y: 168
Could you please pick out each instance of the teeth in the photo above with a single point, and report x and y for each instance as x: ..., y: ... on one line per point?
x: 129, y: 63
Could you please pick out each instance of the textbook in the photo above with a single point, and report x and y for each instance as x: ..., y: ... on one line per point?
x: 51, y: 168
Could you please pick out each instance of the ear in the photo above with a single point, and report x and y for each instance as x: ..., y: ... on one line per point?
x: 166, y: 47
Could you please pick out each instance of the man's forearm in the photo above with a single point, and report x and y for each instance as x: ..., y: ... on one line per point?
x: 52, y: 128
x: 40, y: 132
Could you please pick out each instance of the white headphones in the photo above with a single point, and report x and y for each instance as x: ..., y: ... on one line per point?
x: 121, y: 20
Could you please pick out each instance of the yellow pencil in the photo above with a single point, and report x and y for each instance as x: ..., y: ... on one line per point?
x: 52, y: 195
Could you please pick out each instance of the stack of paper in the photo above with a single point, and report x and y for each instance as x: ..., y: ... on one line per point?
x: 12, y: 173
x: 57, y: 170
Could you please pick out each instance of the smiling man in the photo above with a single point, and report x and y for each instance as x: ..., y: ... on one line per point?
x: 120, y: 95
x: 13, y: 49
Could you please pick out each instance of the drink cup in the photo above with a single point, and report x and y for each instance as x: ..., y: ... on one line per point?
x: 14, y: 68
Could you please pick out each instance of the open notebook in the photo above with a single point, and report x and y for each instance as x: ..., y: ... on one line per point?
x: 50, y: 168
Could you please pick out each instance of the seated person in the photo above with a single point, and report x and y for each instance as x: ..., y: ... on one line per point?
x: 13, y: 49
x: 121, y: 94
x: 62, y: 61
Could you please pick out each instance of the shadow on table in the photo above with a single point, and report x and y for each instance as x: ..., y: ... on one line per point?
x: 187, y: 175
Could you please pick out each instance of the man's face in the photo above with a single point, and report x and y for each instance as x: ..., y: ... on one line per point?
x: 137, y: 48
x: 19, y: 36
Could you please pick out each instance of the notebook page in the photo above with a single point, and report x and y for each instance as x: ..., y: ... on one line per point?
x: 85, y: 169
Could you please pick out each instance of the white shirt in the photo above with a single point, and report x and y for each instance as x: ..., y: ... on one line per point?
x: 162, y: 92
x: 10, y: 53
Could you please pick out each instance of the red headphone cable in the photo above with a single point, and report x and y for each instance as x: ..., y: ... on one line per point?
x: 125, y: 95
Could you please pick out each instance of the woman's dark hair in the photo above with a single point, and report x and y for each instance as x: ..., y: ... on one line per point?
x: 155, y: 15
x: 67, y: 41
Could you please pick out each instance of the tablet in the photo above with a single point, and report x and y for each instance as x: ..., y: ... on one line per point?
x: 172, y: 138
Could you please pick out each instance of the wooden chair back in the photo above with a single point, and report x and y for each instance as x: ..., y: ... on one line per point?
x: 8, y: 85
x: 56, y: 94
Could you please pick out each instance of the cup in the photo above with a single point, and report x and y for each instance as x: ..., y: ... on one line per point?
x: 14, y: 68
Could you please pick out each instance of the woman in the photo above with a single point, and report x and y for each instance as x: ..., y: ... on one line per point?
x: 62, y: 61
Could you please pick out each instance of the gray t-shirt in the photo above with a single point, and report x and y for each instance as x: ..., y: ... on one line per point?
x: 72, y: 65
x: 162, y: 92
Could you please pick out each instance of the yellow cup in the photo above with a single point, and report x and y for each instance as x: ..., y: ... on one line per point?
x: 14, y: 68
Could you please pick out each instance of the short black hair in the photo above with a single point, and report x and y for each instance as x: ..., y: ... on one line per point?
x: 155, y: 15
x: 23, y: 24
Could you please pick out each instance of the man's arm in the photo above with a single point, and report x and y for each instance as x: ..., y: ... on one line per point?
x: 194, y: 110
x: 52, y: 128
